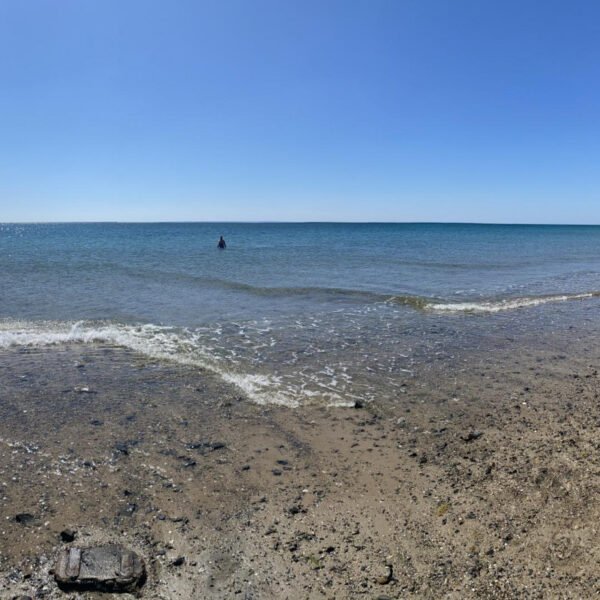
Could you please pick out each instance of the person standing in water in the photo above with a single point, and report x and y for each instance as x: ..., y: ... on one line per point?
x: 222, y: 245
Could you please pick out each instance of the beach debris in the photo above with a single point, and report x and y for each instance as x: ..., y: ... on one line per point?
x: 84, y: 390
x: 443, y: 508
x: 111, y: 568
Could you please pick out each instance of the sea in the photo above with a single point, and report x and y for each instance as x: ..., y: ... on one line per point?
x: 302, y: 313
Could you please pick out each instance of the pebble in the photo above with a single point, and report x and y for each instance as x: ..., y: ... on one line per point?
x: 68, y: 535
x: 206, y: 447
x: 24, y: 518
x: 383, y: 574
x: 471, y: 436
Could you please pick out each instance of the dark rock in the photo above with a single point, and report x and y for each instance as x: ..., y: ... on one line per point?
x: 68, y: 535
x: 178, y: 561
x: 471, y: 436
x: 276, y: 472
x: 475, y: 569
x: 24, y: 518
x: 359, y: 404
x: 125, y: 446
x: 130, y: 508
x: 102, y: 568
x: 122, y: 447
x: 206, y: 447
x: 180, y: 519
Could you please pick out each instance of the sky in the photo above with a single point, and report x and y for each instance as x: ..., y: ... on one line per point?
x: 289, y: 110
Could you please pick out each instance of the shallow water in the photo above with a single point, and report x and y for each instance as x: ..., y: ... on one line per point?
x: 296, y: 313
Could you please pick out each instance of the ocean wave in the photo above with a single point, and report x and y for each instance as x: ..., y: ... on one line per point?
x: 421, y: 303
x: 505, y: 304
x: 154, y: 341
x: 313, y: 292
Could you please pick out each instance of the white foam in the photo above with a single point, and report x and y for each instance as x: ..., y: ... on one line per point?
x: 514, y: 303
x: 153, y: 341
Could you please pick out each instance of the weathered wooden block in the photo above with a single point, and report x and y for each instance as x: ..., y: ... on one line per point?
x: 105, y: 568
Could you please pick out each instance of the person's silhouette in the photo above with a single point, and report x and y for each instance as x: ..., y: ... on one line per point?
x: 222, y: 245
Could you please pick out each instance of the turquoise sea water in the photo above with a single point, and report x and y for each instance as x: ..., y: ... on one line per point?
x: 296, y: 312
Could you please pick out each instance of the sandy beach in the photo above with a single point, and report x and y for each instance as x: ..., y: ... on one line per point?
x: 479, y: 485
x: 299, y: 300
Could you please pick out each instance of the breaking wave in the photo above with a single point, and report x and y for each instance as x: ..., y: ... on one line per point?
x: 506, y: 304
x: 423, y: 303
x: 153, y: 341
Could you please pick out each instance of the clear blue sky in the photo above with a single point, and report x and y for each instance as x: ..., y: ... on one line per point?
x: 420, y: 110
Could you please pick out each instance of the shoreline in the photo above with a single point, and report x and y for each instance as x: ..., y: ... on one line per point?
x: 475, y: 484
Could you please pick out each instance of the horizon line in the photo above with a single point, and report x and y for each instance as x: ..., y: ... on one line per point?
x: 283, y: 222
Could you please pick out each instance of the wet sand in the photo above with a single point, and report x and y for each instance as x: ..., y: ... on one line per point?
x: 481, y: 482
